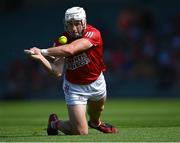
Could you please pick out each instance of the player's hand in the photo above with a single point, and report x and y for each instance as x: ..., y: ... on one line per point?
x: 35, y: 50
x: 36, y: 54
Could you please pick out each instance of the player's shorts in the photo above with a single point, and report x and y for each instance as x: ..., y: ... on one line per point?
x: 79, y: 94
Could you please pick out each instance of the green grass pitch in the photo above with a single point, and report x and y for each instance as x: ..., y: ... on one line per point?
x: 138, y: 121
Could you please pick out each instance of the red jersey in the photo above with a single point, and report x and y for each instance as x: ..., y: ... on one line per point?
x: 85, y: 67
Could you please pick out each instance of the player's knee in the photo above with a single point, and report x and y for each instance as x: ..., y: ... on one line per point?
x: 82, y: 131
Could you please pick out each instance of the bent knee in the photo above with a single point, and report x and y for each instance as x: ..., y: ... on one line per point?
x: 81, y: 132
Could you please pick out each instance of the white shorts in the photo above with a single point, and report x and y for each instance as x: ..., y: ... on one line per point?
x: 79, y: 94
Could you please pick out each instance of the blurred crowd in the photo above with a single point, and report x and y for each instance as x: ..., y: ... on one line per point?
x: 140, y: 48
x: 26, y: 78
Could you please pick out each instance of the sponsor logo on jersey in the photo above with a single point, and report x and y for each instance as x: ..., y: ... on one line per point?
x: 75, y: 62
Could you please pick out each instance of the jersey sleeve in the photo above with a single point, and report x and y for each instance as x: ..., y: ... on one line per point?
x: 93, y: 36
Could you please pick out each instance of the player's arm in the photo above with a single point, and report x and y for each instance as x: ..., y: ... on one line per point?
x: 73, y: 48
x: 55, y: 68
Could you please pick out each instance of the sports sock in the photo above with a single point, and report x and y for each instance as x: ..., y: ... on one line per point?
x: 95, y: 123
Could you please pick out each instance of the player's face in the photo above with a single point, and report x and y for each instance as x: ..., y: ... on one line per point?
x: 75, y: 28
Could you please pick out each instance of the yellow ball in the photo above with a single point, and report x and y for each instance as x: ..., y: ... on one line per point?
x: 62, y: 40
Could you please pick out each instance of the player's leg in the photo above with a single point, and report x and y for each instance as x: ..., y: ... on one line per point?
x: 77, y: 123
x: 97, y: 100
x: 95, y: 109
x: 56, y: 125
x: 77, y: 117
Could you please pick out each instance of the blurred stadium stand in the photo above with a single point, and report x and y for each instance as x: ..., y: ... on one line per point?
x: 141, y: 46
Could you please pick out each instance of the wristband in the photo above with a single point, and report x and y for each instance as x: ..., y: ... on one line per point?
x: 44, y: 52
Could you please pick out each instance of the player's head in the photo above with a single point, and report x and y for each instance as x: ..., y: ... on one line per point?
x: 75, y: 21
